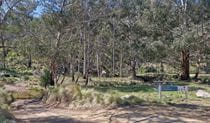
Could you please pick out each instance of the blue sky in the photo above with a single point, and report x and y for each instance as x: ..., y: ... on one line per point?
x: 38, y: 11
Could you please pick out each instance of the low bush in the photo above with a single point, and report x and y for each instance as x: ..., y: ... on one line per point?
x: 45, y: 79
x: 6, y: 117
x: 205, y: 80
x: 130, y: 100
x: 5, y: 99
x: 8, y: 73
x: 29, y: 94
x: 26, y: 78
x: 148, y: 69
x: 64, y: 94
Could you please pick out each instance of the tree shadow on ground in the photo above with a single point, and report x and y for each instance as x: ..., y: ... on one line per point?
x: 182, y: 113
x: 51, y: 119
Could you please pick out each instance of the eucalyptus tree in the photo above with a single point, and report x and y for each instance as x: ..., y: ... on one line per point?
x: 58, y: 23
x: 115, y: 35
x: 12, y: 14
x: 189, y: 34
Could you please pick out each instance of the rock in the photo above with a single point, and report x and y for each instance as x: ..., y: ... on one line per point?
x: 202, y: 93
x: 126, y: 97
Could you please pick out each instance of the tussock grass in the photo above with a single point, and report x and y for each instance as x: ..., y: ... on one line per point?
x: 29, y: 94
x: 63, y: 94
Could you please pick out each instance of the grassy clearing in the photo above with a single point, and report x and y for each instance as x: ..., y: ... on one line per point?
x: 106, y: 91
x: 120, y: 91
x: 149, y: 94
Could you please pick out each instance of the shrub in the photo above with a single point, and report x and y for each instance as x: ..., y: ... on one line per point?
x: 206, y: 80
x: 142, y: 70
x: 45, y: 79
x: 29, y: 94
x: 64, y: 94
x: 6, y: 117
x: 99, y: 98
x: 8, y: 73
x: 150, y: 69
x: 5, y: 99
x: 26, y: 78
x: 3, y: 119
x: 147, y: 69
x: 130, y: 100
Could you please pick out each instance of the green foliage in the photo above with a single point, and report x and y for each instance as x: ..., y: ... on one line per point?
x: 14, y: 59
x: 9, y: 80
x: 147, y: 69
x: 3, y: 119
x: 26, y: 78
x: 131, y: 100
x: 114, y: 99
x: 45, y: 79
x: 206, y: 80
x: 8, y: 72
x: 6, y: 117
x: 5, y: 99
x: 150, y: 69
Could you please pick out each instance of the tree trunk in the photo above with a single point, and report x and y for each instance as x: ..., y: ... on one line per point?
x: 97, y: 64
x: 86, y: 80
x: 84, y: 58
x: 52, y: 82
x: 4, y: 53
x: 87, y: 35
x: 134, y: 69
x: 121, y: 63
x: 98, y: 57
x: 113, y: 58
x: 72, y: 73
x: 29, y: 65
x: 185, y: 65
x: 53, y: 75
x: 73, y: 76
x: 4, y: 56
x: 78, y: 66
x: 197, y: 69
x: 113, y: 49
x: 161, y: 67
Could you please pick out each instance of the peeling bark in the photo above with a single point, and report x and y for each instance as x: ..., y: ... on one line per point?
x: 185, y: 65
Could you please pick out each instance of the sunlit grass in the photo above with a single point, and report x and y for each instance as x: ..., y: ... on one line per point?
x: 148, y: 93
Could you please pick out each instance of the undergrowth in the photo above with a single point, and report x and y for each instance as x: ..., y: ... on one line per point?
x: 124, y: 94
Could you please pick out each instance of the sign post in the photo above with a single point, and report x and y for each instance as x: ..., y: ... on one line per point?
x: 182, y: 89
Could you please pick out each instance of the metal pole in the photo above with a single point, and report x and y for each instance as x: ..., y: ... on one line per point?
x: 159, y: 91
